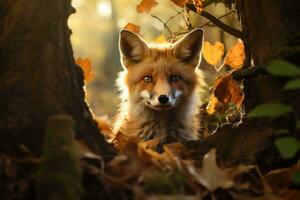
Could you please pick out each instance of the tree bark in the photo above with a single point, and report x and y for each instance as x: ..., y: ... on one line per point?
x: 270, y: 30
x: 38, y: 76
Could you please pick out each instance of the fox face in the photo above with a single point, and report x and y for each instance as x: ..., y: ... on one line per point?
x: 160, y: 77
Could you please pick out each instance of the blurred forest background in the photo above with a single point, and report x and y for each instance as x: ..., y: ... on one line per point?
x: 96, y: 26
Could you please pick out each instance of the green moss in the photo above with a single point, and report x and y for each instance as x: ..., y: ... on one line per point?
x: 59, y: 174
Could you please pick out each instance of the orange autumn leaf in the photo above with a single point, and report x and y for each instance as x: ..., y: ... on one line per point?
x: 213, y: 53
x: 198, y: 5
x: 226, y: 91
x: 132, y: 27
x: 235, y: 56
x: 180, y: 3
x: 146, y: 6
x: 86, y: 66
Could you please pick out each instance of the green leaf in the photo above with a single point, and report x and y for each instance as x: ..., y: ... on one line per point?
x: 296, y: 177
x: 283, y: 68
x: 287, y: 146
x: 292, y: 85
x: 270, y: 110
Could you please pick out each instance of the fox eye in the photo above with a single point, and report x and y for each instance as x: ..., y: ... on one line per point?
x: 147, y: 79
x: 175, y: 78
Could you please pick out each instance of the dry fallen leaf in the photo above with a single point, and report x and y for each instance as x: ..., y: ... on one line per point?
x: 235, y: 56
x: 146, y: 6
x: 180, y: 3
x: 133, y: 27
x: 211, y: 176
x: 213, y: 53
x: 86, y: 66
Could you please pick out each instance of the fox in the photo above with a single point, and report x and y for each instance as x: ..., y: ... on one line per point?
x: 160, y: 88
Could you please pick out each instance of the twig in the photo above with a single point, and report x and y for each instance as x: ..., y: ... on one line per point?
x: 249, y: 72
x: 166, y: 22
x: 172, y: 17
x: 220, y: 17
x: 165, y: 25
x: 217, y: 22
x: 267, y: 187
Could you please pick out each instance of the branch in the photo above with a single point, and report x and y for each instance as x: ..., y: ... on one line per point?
x: 164, y: 23
x: 209, y: 22
x: 249, y: 72
x: 217, y: 22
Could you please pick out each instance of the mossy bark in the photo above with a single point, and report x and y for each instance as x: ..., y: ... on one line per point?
x: 38, y: 76
x: 59, y: 173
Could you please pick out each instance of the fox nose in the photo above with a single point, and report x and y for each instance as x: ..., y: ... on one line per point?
x: 163, y: 99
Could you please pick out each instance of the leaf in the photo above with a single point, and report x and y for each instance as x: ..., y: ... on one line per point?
x: 270, y: 110
x: 213, y: 53
x: 292, y: 85
x: 211, y: 176
x: 235, y: 56
x: 86, y: 66
x: 214, y: 105
x: 283, y: 68
x: 160, y: 39
x: 279, y: 179
x: 226, y: 91
x: 133, y: 27
x: 146, y: 6
x: 180, y: 3
x: 287, y: 146
x: 198, y: 5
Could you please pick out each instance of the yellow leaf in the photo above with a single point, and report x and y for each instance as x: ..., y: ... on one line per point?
x: 146, y: 6
x: 213, y: 53
x: 132, y: 27
x: 161, y: 39
x: 180, y: 3
x: 212, y: 105
x: 235, y: 56
x: 86, y: 66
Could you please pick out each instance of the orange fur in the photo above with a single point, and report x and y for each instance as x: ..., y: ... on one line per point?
x: 141, y: 114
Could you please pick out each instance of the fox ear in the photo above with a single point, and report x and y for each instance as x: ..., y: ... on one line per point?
x: 132, y: 47
x: 188, y: 48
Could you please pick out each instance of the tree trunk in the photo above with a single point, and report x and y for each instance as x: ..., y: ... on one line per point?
x: 271, y: 29
x: 38, y: 76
